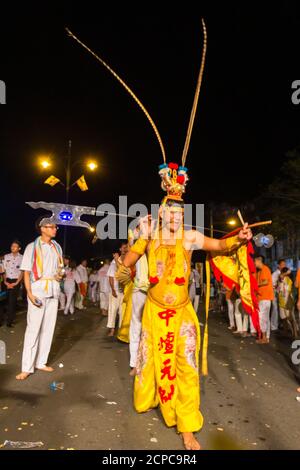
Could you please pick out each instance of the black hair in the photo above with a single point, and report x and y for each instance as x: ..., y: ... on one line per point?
x: 261, y: 257
x: 281, y: 260
x: 16, y: 242
x: 284, y: 270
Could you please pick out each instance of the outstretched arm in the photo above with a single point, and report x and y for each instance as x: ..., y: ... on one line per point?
x: 197, y: 241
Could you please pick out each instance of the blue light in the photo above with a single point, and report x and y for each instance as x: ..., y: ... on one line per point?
x: 65, y: 215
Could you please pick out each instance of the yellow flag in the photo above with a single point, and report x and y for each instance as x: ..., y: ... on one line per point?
x: 52, y: 180
x: 82, y: 183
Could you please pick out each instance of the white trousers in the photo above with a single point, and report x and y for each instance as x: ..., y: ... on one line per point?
x: 39, y: 333
x: 93, y: 293
x: 274, y: 314
x: 62, y: 300
x: 104, y: 300
x: 138, y: 302
x: 115, y: 306
x: 230, y: 306
x: 69, y: 288
x: 194, y: 297
x: 264, y: 316
x: 241, y: 317
x: 252, y: 329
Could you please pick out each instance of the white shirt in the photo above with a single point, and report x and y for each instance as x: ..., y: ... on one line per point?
x: 43, y: 288
x: 111, y: 273
x: 71, y: 275
x: 103, y: 279
x: 11, y: 265
x: 83, y: 274
x: 275, y: 277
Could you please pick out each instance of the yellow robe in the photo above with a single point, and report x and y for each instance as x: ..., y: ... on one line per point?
x: 168, y: 357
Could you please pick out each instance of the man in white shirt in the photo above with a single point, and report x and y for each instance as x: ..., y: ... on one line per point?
x: 104, y: 287
x: 43, y: 268
x: 116, y: 295
x: 83, y: 284
x: 275, y: 279
x: 12, y: 278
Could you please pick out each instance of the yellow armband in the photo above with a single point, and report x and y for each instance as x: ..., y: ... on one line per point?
x: 233, y: 243
x: 140, y: 246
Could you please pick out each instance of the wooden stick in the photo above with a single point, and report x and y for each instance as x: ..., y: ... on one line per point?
x: 240, y: 217
x: 257, y: 224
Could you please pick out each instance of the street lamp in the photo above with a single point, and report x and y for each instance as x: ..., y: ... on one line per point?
x: 92, y: 165
x: 232, y: 222
x: 45, y: 163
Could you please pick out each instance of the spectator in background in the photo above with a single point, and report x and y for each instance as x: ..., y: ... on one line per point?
x: 104, y: 287
x: 297, y: 285
x: 265, y: 297
x: 93, y: 285
x: 275, y: 280
x: 286, y: 301
x: 71, y: 279
x: 194, y: 289
x: 83, y: 276
x: 13, y: 276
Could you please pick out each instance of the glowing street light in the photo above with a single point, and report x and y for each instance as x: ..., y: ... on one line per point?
x: 45, y: 163
x: 92, y: 165
x: 232, y: 222
x: 92, y: 229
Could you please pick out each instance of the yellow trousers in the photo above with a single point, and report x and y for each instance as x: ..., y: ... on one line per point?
x: 167, y: 365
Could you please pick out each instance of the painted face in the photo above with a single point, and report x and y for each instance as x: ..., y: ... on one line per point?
x: 172, y: 218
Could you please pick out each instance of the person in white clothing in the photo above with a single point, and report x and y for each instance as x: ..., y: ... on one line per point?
x: 83, y: 276
x: 93, y: 285
x: 275, y: 282
x: 241, y: 319
x: 104, y: 287
x: 43, y: 269
x: 71, y: 279
x: 13, y: 277
x: 116, y: 295
x: 62, y: 295
x: 194, y: 289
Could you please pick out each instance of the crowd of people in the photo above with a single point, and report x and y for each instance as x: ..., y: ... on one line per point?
x: 279, y: 302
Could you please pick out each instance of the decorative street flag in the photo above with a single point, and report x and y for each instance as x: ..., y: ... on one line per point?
x: 82, y: 183
x: 52, y: 180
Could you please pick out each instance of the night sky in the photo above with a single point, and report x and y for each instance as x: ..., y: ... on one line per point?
x: 56, y: 91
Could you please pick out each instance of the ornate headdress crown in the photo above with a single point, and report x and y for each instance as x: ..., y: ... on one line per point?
x: 173, y: 179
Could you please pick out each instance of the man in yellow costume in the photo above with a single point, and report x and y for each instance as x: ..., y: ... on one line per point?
x: 167, y: 365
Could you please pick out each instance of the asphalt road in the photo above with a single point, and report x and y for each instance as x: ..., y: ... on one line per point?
x: 248, y: 400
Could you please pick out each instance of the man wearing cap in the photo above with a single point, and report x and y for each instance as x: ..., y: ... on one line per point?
x: 43, y: 269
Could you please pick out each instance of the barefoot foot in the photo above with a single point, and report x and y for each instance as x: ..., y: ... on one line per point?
x: 190, y: 442
x: 23, y: 375
x: 46, y: 369
x: 111, y: 332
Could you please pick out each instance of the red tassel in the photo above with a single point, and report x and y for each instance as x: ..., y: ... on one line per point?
x: 180, y: 281
x: 153, y: 280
